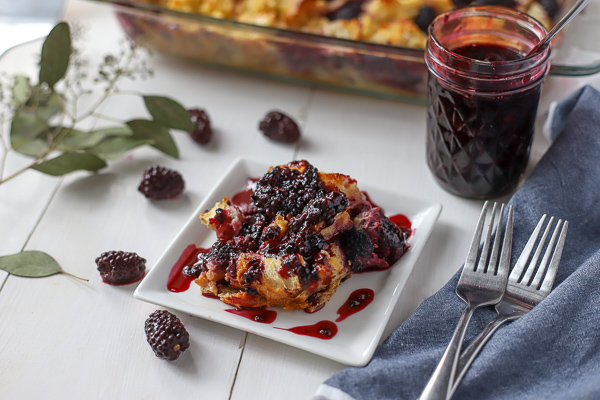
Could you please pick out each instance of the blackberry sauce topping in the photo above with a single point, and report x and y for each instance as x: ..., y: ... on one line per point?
x: 254, y: 272
x: 289, y: 207
x: 286, y: 191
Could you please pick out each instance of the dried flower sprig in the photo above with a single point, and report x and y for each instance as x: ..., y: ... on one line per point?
x: 45, y: 121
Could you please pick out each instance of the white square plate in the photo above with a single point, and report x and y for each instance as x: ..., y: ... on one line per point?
x: 357, y: 336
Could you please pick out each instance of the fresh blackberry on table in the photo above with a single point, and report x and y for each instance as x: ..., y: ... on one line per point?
x: 279, y: 127
x: 120, y: 268
x: 160, y: 183
x: 202, y: 132
x: 166, y: 335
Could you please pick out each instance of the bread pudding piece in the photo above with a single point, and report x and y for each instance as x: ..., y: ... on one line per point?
x: 302, y: 234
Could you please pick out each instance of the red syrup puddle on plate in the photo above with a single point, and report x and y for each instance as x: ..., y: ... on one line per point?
x: 321, y: 330
x: 243, y: 197
x: 178, y: 281
x: 357, y: 301
x: 262, y: 315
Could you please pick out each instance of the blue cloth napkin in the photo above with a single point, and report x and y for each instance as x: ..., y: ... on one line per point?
x: 553, y: 352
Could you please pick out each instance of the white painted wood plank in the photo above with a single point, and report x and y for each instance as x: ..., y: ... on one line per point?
x: 271, y: 370
x: 85, y: 340
x: 97, y: 328
x: 22, y: 203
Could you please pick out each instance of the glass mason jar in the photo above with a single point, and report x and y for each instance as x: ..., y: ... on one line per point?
x: 483, y: 95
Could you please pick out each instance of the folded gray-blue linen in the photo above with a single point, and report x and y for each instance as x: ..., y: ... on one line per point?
x: 553, y: 352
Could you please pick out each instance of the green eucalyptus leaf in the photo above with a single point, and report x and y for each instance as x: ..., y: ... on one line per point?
x: 56, y: 52
x: 21, y: 90
x: 115, y: 131
x: 115, y: 147
x: 79, y: 140
x: 49, y: 105
x: 155, y: 132
x: 30, y: 264
x: 69, y: 162
x: 25, y: 127
x: 32, y: 148
x: 169, y: 113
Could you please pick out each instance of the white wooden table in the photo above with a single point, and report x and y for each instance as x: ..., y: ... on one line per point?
x: 61, y: 338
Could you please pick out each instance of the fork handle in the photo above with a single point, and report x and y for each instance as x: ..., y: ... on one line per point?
x: 468, y: 356
x: 439, y: 385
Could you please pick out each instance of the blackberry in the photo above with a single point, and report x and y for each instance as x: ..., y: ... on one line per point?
x: 160, y: 183
x: 388, y: 240
x: 425, y: 17
x: 551, y: 7
x: 290, y: 263
x: 377, y: 243
x: 254, y: 271
x: 348, y: 11
x: 323, y: 208
x: 461, y: 3
x: 279, y: 127
x: 202, y: 132
x: 358, y: 248
x: 198, y: 267
x: 286, y: 191
x: 166, y: 335
x: 119, y: 267
x: 502, y: 3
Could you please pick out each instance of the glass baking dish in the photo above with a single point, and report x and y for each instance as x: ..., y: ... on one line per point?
x: 363, y: 67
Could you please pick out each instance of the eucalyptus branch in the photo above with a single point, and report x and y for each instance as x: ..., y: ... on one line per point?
x: 46, y: 119
x: 101, y: 116
x: 45, y: 124
x: 20, y: 171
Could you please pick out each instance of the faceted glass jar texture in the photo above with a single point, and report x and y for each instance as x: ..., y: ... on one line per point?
x: 483, y: 95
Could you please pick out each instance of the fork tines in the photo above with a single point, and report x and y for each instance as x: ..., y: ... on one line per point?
x: 526, y: 276
x: 487, y: 259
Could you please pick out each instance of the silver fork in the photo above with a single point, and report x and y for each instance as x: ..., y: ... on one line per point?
x: 481, y: 284
x: 522, y: 292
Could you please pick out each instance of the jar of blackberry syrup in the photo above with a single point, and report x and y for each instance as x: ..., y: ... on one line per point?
x: 483, y: 95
